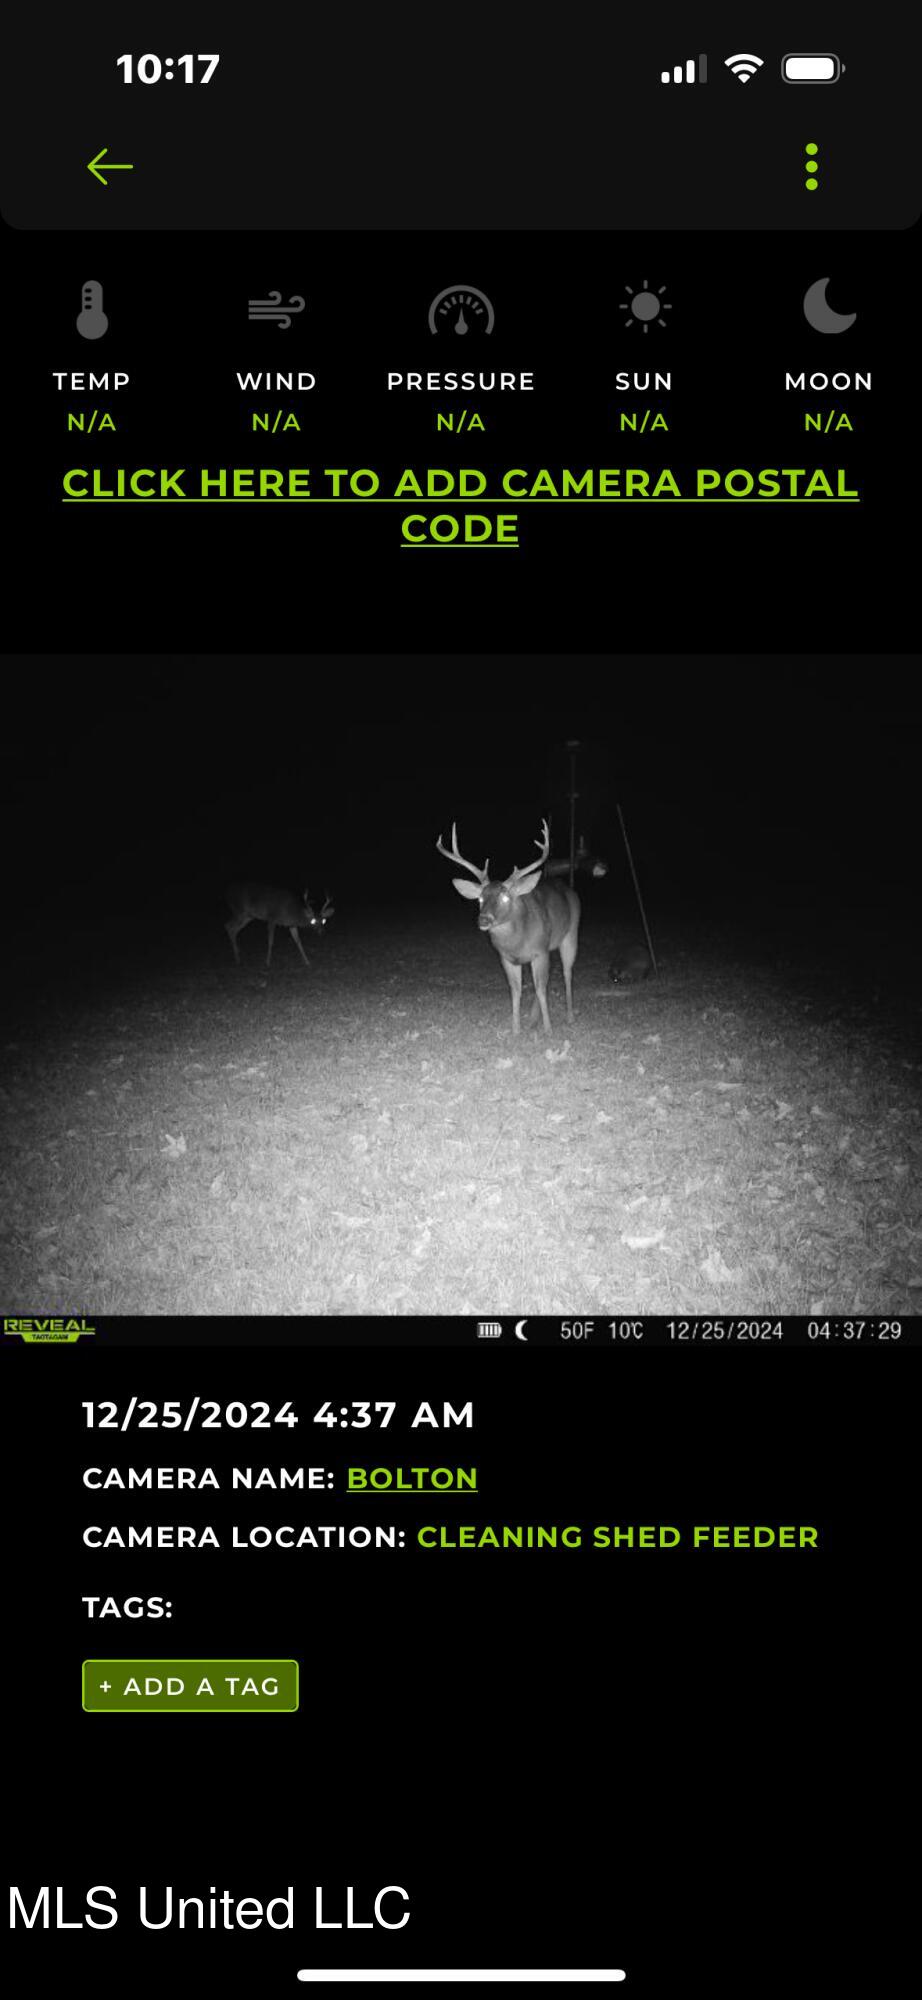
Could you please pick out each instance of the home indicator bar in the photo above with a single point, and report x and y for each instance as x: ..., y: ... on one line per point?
x: 458, y: 1978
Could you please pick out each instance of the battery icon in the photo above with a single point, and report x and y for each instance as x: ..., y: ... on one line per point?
x: 811, y: 69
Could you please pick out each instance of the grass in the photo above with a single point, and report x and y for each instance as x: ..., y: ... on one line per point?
x: 737, y: 1135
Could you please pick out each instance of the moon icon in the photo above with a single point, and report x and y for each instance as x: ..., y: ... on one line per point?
x: 820, y: 313
x: 518, y: 1329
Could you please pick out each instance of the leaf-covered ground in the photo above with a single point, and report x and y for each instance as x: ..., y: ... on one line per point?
x: 740, y: 1134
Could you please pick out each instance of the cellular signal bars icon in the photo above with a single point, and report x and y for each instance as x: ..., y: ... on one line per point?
x: 687, y: 72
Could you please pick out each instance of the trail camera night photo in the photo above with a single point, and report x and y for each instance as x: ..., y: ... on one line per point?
x: 353, y: 987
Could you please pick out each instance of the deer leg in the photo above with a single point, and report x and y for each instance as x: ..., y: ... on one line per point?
x: 236, y: 924
x: 271, y: 930
x: 513, y: 973
x: 540, y: 967
x: 293, y: 932
x: 567, y: 960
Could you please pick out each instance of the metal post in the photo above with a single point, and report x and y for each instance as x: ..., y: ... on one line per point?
x: 573, y: 747
x: 643, y: 913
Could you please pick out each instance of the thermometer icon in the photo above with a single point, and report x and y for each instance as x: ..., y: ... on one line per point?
x: 91, y: 320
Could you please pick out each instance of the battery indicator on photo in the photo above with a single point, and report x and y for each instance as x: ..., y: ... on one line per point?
x: 811, y: 69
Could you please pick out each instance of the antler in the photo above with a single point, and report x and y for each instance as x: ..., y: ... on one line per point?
x: 531, y: 867
x: 327, y: 910
x: 451, y: 854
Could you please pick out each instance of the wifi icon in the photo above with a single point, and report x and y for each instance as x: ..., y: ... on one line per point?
x: 743, y: 67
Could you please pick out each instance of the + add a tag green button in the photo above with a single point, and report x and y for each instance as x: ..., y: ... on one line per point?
x: 191, y: 1687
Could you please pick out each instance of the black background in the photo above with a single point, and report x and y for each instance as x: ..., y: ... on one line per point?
x: 685, y: 1765
x: 587, y: 577
x: 623, y: 577
x: 355, y: 117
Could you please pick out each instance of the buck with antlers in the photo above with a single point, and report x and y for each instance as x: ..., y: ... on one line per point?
x: 258, y: 901
x: 526, y: 918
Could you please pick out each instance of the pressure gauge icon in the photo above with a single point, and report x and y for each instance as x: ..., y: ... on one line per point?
x: 461, y: 309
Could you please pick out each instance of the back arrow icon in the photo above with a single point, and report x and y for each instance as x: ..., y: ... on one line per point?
x: 101, y: 166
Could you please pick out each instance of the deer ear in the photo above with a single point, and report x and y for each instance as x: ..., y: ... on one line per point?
x: 527, y: 883
x: 466, y: 889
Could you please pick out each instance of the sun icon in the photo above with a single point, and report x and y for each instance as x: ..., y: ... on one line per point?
x: 646, y: 306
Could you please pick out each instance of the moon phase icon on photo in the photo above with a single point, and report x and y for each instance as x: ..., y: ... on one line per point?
x: 819, y: 312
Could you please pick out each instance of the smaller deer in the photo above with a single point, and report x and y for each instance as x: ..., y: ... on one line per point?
x: 526, y: 918
x: 326, y: 911
x: 259, y: 902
